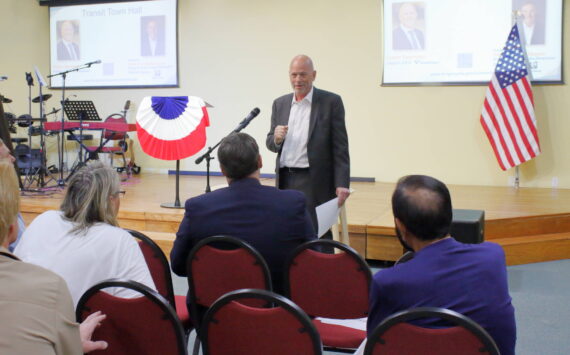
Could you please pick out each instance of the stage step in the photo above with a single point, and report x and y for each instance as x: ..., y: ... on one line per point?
x: 535, y: 248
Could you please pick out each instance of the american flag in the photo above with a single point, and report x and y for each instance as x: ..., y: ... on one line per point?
x: 508, y: 111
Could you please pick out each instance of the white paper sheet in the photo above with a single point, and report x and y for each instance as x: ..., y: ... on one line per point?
x: 359, y: 323
x: 327, y: 215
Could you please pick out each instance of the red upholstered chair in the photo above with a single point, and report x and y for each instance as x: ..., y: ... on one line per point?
x: 220, y: 264
x: 160, y: 271
x: 232, y: 328
x: 395, y: 336
x: 146, y: 325
x: 112, y: 136
x: 330, y: 286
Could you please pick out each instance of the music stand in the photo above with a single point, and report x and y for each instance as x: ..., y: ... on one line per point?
x: 80, y: 110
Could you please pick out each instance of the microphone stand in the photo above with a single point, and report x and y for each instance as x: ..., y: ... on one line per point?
x: 63, y: 74
x: 207, y: 156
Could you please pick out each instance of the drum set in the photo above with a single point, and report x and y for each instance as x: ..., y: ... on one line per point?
x: 31, y: 162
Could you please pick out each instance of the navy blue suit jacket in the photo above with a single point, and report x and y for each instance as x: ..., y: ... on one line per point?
x: 272, y: 221
x: 468, y: 278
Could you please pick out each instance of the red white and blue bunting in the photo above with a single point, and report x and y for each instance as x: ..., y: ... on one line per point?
x: 172, y: 128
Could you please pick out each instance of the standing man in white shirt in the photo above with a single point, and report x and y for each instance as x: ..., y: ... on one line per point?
x: 308, y: 134
x: 407, y: 36
x: 67, y: 49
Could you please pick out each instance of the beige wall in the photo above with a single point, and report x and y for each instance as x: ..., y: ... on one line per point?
x: 235, y: 54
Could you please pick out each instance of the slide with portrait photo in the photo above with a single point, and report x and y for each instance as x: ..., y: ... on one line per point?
x: 459, y: 42
x: 135, y: 41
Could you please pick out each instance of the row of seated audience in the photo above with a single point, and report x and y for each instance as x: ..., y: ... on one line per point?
x: 83, y: 244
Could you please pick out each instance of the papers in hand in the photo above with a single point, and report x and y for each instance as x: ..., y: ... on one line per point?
x: 327, y: 215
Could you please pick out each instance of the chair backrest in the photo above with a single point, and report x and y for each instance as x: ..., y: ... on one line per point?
x: 143, y: 325
x: 157, y: 265
x: 220, y: 264
x: 231, y: 327
x: 395, y: 336
x: 328, y: 285
x: 114, y: 135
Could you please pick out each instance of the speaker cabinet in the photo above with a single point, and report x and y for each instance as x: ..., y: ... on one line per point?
x: 468, y: 226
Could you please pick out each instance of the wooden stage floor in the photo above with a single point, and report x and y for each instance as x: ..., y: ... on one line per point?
x: 531, y: 224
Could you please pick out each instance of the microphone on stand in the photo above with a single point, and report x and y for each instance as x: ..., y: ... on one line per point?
x: 247, y: 120
x: 91, y: 63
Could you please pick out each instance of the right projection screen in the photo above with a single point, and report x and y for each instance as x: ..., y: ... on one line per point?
x: 457, y: 42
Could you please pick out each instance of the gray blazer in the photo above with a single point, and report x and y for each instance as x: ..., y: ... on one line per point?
x: 327, y: 147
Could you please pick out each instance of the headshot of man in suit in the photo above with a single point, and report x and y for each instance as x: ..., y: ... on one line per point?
x: 531, y: 25
x: 152, y: 36
x: 67, y: 47
x: 407, y: 36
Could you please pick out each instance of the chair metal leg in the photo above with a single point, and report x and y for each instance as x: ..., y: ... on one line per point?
x: 196, y: 349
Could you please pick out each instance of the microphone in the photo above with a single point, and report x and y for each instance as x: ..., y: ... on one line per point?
x: 127, y: 105
x: 3, y: 77
x: 247, y: 120
x: 91, y: 63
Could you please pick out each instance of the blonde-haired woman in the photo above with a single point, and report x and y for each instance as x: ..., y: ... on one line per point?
x: 82, y: 242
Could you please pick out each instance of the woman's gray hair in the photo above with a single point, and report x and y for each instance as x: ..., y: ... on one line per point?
x: 87, y: 199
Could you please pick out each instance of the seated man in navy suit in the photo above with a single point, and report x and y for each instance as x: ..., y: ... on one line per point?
x: 467, y: 278
x: 273, y: 221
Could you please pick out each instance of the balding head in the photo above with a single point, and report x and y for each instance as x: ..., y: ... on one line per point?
x: 423, y: 206
x: 302, y: 74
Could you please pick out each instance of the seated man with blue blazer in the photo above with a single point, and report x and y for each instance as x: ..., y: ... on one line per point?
x: 470, y: 279
x: 273, y: 221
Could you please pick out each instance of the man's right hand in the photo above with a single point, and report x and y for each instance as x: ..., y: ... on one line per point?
x: 279, y: 134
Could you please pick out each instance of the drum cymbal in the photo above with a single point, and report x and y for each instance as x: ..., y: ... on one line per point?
x: 5, y: 100
x: 43, y: 97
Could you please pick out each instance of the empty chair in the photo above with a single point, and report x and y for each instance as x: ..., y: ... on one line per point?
x: 462, y: 336
x: 231, y: 327
x: 108, y: 135
x: 143, y: 325
x: 330, y: 286
x: 160, y: 272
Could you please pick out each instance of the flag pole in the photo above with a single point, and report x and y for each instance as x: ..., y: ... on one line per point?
x: 515, y: 14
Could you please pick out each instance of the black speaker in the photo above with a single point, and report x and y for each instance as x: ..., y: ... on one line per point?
x: 468, y: 226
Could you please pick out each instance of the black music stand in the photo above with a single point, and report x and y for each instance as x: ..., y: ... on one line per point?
x: 79, y: 110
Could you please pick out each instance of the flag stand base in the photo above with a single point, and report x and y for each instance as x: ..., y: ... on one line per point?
x: 176, y: 203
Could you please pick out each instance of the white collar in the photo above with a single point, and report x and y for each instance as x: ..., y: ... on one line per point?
x: 308, y: 97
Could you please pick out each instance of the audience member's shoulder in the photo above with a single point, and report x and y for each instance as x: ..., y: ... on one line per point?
x: 44, y: 285
x: 492, y: 248
x: 287, y: 194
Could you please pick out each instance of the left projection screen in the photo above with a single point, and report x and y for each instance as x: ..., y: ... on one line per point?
x: 135, y: 41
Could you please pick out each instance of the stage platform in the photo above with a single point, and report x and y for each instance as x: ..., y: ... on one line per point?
x: 531, y: 224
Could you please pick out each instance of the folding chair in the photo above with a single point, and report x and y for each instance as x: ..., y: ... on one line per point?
x: 233, y: 328
x: 396, y: 336
x: 141, y: 326
x: 160, y: 271
x: 218, y: 265
x: 330, y: 286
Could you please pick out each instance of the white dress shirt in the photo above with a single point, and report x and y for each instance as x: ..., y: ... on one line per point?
x: 294, y: 153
